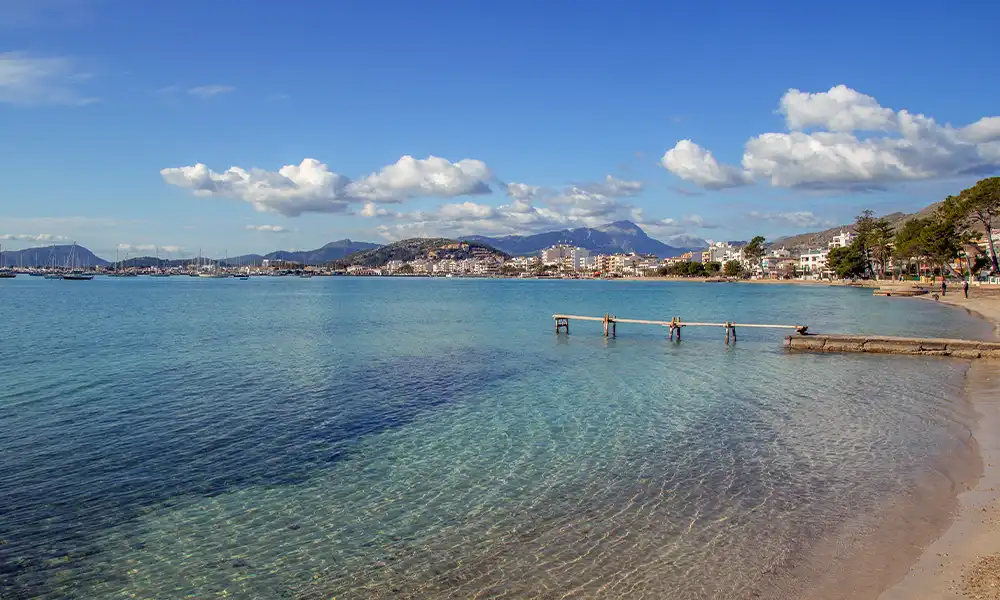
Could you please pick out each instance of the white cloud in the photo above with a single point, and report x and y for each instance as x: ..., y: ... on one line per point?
x: 166, y: 249
x: 37, y: 237
x: 900, y: 146
x: 312, y: 187
x: 523, y: 191
x: 984, y: 130
x: 691, y: 162
x: 580, y: 205
x: 208, y: 91
x: 268, y: 228
x: 800, y: 218
x: 292, y: 190
x: 433, y: 176
x: 614, y: 187
x: 26, y: 79
x: 697, y: 221
x: 840, y: 109
x: 371, y: 209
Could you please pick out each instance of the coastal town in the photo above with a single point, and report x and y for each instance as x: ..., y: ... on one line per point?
x: 728, y: 259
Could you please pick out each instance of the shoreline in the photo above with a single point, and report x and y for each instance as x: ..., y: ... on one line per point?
x: 964, y: 561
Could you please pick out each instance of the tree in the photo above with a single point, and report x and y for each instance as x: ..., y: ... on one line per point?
x: 935, y: 239
x: 873, y: 239
x: 405, y: 270
x: 880, y: 239
x: 753, y: 252
x: 733, y: 268
x: 847, y: 262
x: 980, y: 205
x: 713, y: 268
x: 790, y: 270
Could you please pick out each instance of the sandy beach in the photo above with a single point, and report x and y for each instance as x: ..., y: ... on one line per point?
x: 964, y: 563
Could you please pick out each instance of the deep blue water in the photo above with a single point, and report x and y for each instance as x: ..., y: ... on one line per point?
x: 366, y: 437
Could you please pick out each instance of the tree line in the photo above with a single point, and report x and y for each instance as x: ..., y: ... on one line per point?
x: 956, y: 229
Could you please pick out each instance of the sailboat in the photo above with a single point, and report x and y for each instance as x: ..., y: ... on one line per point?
x: 118, y: 265
x: 5, y: 273
x: 159, y: 266
x: 76, y: 274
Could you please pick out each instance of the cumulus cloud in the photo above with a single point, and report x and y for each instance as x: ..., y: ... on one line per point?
x: 532, y: 209
x: 26, y: 79
x: 523, y: 191
x: 268, y: 228
x: 800, y: 218
x: 167, y: 249
x: 209, y: 91
x: 433, y: 176
x: 894, y: 146
x: 312, y: 187
x: 840, y: 109
x: 29, y: 237
x: 691, y: 162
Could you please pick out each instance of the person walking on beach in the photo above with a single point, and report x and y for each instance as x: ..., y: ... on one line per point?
x: 944, y: 287
x: 965, y: 288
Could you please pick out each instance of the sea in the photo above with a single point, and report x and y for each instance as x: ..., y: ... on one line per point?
x: 349, y: 437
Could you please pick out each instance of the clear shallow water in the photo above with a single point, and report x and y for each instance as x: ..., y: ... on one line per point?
x: 366, y: 438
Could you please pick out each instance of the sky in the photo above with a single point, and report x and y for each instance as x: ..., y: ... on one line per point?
x: 228, y: 127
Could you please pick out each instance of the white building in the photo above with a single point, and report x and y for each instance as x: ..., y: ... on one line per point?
x: 841, y: 240
x: 565, y: 256
x: 813, y: 263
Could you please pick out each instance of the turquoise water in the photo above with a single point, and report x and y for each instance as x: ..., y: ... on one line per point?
x: 416, y: 438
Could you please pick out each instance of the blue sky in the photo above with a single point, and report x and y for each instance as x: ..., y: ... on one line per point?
x: 517, y: 117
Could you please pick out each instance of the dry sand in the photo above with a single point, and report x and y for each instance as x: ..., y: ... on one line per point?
x: 964, y: 563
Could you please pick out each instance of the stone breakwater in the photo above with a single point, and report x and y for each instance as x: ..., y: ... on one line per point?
x: 894, y: 345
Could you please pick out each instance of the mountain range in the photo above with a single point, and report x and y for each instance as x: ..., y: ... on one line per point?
x: 64, y: 255
x: 320, y: 256
x: 620, y: 236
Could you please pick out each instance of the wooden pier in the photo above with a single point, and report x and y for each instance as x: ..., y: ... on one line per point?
x: 675, y: 325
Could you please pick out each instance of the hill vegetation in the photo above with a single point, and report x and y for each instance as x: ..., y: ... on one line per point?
x: 417, y: 248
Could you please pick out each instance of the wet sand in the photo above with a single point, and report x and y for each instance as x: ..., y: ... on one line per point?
x: 964, y: 562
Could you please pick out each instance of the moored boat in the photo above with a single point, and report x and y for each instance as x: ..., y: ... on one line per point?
x: 77, y: 277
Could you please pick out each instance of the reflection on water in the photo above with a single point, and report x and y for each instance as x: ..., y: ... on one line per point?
x: 366, y: 439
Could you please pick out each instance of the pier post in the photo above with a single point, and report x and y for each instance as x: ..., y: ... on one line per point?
x: 614, y: 327
x: 727, y: 332
x: 678, y: 328
x: 733, y: 327
x: 606, y: 321
x: 561, y: 322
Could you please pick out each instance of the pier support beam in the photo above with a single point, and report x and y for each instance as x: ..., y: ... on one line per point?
x: 562, y: 322
x: 675, y: 326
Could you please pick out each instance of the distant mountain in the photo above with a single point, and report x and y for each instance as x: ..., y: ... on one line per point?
x: 687, y: 241
x: 320, y: 256
x: 60, y: 256
x: 820, y: 239
x: 416, y: 248
x: 620, y: 236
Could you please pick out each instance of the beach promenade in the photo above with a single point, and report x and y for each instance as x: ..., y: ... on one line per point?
x: 965, y: 561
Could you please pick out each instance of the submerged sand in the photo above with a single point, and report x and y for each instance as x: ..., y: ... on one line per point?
x: 964, y: 563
